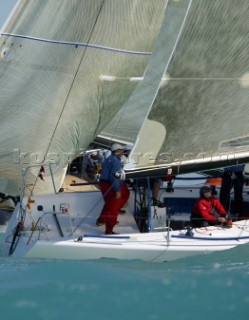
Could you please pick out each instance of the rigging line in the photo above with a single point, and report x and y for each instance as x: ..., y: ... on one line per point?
x: 77, y: 44
x: 91, y: 209
x: 69, y: 91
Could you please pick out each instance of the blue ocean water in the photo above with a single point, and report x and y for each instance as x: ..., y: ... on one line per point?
x: 212, y: 286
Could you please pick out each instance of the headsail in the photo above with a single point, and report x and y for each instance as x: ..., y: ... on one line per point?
x: 62, y: 70
x: 200, y: 115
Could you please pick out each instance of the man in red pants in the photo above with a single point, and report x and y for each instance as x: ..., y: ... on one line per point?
x: 114, y: 191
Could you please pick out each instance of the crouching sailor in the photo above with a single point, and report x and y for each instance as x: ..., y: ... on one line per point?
x: 208, y: 210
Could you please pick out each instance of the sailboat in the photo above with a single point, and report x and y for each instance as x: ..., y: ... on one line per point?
x: 169, y: 76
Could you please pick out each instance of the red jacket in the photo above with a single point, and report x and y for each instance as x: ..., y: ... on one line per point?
x: 204, y: 207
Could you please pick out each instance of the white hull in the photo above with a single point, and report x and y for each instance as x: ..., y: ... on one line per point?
x: 78, y: 238
x: 147, y: 247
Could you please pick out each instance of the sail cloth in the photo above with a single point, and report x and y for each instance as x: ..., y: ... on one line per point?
x: 127, y: 123
x: 200, y: 114
x: 65, y: 69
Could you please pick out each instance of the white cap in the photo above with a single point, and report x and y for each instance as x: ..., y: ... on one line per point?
x: 128, y: 146
x: 116, y: 146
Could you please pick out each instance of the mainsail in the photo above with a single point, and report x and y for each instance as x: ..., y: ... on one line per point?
x: 64, y: 67
x: 199, y: 118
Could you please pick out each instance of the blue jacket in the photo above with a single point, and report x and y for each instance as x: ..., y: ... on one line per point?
x: 111, y: 165
x: 238, y: 168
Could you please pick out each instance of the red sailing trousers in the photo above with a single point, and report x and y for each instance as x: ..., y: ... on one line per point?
x: 112, y: 205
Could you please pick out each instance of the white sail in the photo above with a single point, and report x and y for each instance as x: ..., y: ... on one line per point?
x: 127, y: 123
x: 200, y: 114
x: 64, y: 67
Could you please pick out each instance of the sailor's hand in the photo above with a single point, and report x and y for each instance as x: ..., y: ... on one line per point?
x: 221, y: 219
x: 118, y: 194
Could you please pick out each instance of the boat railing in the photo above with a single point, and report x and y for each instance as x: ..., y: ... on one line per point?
x: 39, y: 175
x: 22, y: 210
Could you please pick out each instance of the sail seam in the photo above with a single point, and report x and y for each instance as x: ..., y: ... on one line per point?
x: 77, y: 44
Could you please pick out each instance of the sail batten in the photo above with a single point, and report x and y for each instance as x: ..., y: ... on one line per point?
x: 77, y: 44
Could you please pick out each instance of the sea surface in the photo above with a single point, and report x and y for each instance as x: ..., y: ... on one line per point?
x: 214, y: 286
